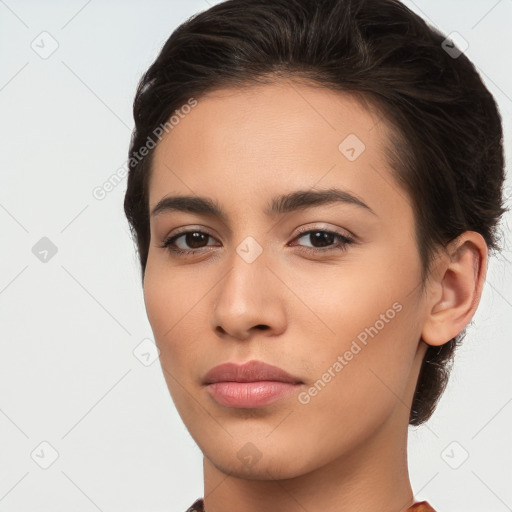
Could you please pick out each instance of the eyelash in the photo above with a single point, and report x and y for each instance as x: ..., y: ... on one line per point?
x: 344, y: 241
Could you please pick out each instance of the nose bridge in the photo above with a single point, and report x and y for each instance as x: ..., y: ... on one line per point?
x: 247, y: 274
x: 246, y: 296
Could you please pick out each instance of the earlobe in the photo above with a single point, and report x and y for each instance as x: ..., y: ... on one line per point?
x: 455, y: 289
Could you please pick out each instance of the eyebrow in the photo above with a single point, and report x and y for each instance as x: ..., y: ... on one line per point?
x: 286, y: 203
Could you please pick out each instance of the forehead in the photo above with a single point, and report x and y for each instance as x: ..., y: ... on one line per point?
x: 263, y: 140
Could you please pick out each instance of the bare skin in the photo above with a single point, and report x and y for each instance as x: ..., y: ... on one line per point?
x: 345, y: 450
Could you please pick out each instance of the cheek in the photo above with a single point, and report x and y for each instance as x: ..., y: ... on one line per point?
x: 160, y: 307
x: 174, y: 322
x: 372, y: 330
x: 354, y: 299
x: 177, y: 302
x: 170, y: 296
x: 168, y: 304
x: 355, y: 386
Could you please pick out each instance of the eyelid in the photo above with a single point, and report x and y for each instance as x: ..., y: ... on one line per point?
x: 340, y: 231
x: 344, y: 241
x: 188, y: 229
x: 300, y: 231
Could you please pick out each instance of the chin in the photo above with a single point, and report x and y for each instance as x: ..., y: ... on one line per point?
x: 253, y: 460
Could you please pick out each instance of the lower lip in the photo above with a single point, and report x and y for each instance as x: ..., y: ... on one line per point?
x: 250, y: 394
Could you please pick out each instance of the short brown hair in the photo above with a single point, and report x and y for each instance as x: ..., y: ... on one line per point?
x: 447, y: 149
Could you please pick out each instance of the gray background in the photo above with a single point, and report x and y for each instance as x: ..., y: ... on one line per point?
x: 73, y: 374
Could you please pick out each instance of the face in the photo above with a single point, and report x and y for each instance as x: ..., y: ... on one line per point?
x: 326, y: 290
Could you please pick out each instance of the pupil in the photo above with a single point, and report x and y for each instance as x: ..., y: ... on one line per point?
x: 323, y: 237
x: 195, y: 238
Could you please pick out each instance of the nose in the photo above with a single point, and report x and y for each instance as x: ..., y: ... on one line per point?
x: 250, y: 298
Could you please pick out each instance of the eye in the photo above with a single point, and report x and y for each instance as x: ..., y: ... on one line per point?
x: 194, y: 239
x: 324, y: 238
x: 322, y: 241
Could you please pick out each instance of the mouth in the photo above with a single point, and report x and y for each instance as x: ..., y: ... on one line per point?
x: 250, y: 385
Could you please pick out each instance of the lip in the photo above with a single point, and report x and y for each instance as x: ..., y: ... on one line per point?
x: 252, y: 371
x: 250, y: 385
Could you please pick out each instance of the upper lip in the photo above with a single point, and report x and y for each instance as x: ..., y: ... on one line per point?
x: 252, y: 371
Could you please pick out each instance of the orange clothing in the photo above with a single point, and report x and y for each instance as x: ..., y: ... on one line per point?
x: 420, y: 506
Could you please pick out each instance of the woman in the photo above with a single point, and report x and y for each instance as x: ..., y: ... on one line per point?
x: 313, y: 226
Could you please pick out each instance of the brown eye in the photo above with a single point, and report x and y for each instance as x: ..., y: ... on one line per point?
x: 322, y: 240
x: 194, y: 240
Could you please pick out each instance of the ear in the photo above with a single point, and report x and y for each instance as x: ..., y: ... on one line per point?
x: 455, y: 288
